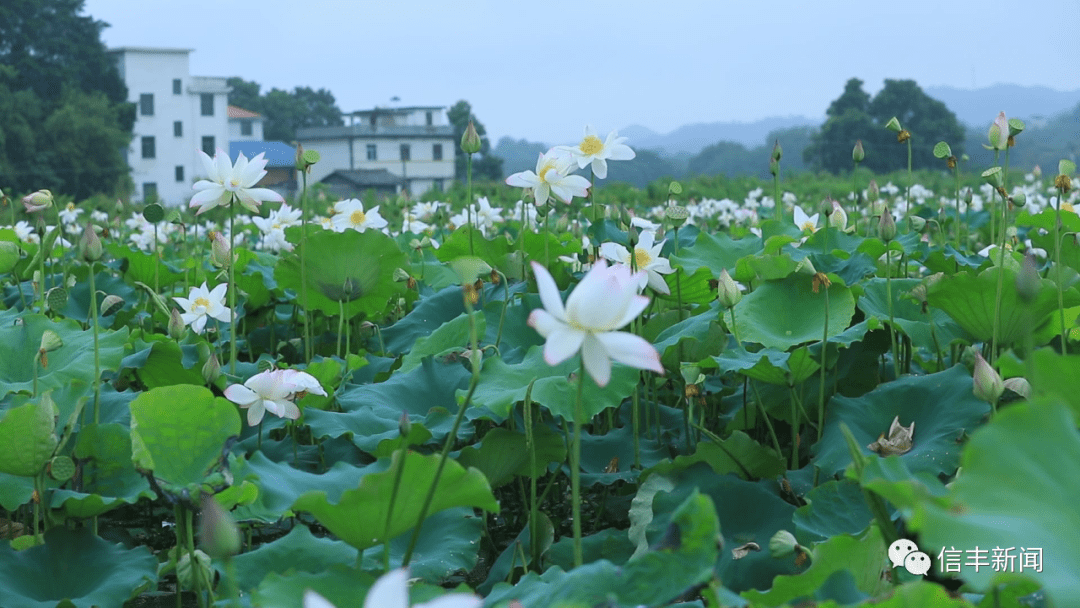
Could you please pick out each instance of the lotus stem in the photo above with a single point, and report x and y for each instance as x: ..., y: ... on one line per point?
x: 575, y: 465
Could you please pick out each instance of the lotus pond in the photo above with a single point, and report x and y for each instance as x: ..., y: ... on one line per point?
x: 742, y: 400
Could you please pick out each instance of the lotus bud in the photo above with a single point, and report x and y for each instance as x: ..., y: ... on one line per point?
x: 404, y: 425
x: 999, y: 133
x: 90, y: 244
x: 176, y: 325
x: 111, y: 305
x: 38, y: 201
x: 211, y: 370
x: 838, y: 217
x: 1020, y: 386
x: 729, y: 290
x: 777, y: 151
x: 893, y: 125
x: 774, y: 166
x: 562, y: 224
x: 1027, y: 281
x: 987, y: 383
x: 1037, y: 172
x: 9, y: 256
x: 969, y: 195
x: 218, y: 534
x: 220, y: 250
x: 783, y: 544
x: 470, y: 139
x: 872, y: 191
x: 887, y: 226
x: 858, y: 154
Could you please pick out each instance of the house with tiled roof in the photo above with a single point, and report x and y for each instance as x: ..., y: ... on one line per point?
x: 414, y: 144
x: 244, y: 125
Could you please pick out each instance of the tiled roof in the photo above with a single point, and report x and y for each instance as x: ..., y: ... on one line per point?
x: 366, y: 178
x: 277, y: 154
x: 237, y: 112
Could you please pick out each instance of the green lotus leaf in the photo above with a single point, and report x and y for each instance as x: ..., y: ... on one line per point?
x: 1017, y: 490
x: 510, y: 557
x: 360, y: 516
x: 452, y: 336
x: 19, y: 345
x: 833, y: 508
x: 28, y: 434
x: 502, y: 385
x: 864, y: 556
x: 921, y: 327
x: 114, y: 482
x: 448, y: 543
x: 781, y: 314
x: 970, y: 300
x: 280, y: 485
x: 770, y: 365
x: 340, y: 585
x: 502, y: 454
x: 715, y: 252
x: 179, y: 432
x: 74, y: 568
x: 351, y: 268
x: 941, y: 405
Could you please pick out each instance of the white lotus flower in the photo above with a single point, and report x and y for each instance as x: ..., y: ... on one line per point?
x: 605, y: 300
x: 273, y: 391
x: 646, y: 257
x: 552, y: 176
x: 592, y: 150
x: 805, y: 222
x: 226, y: 180
x: 202, y: 303
x: 350, y: 214
x: 392, y: 591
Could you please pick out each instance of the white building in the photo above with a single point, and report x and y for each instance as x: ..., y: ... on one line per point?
x: 177, y: 115
x: 244, y: 125
x: 414, y: 144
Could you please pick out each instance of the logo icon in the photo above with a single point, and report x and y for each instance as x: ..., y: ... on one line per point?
x: 903, y: 553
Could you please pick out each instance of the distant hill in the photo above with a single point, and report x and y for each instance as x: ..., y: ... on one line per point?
x: 979, y: 107
x: 693, y: 138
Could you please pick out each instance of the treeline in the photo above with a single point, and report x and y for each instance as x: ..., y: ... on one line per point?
x: 66, y: 120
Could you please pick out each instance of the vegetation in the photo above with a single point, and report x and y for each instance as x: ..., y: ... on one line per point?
x: 286, y: 111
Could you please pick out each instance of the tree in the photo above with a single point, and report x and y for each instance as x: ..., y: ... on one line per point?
x: 64, y: 108
x: 855, y: 116
x: 285, y: 111
x: 485, y: 165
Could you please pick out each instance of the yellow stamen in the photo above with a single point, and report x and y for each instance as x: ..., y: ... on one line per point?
x: 642, y: 258
x: 591, y: 145
x: 200, y: 301
x: 357, y: 218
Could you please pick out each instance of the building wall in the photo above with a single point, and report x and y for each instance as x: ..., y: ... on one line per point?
x: 421, y: 170
x: 235, y: 129
x: 152, y: 71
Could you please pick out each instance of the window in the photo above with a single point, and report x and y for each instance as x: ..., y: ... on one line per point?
x: 372, y: 121
x: 207, y: 101
x: 149, y: 192
x: 438, y: 185
x: 177, y: 128
x: 179, y: 173
x: 148, y: 147
x: 405, y: 152
x: 175, y: 86
x: 146, y: 104
x: 208, y: 145
x: 429, y: 122
x: 436, y: 152
x: 245, y: 127
x: 371, y: 154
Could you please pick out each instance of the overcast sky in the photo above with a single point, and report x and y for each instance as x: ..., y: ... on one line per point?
x: 543, y: 70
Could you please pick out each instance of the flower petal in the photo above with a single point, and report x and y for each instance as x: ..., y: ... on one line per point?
x: 562, y: 343
x: 241, y: 395
x: 628, y: 349
x: 596, y: 360
x: 549, y: 292
x: 390, y: 591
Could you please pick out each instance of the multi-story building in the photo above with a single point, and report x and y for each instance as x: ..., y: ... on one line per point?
x: 177, y: 115
x: 414, y: 145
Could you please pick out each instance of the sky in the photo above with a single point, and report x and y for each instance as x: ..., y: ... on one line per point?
x: 544, y: 70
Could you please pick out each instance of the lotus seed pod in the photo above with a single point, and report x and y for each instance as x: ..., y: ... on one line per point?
x: 917, y: 223
x: 893, y: 125
x: 1020, y: 386
x: 400, y: 275
x: 154, y: 213
x: 61, y: 468
x: 56, y: 298
x: 1019, y: 199
x: 993, y: 176
x: 50, y: 341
